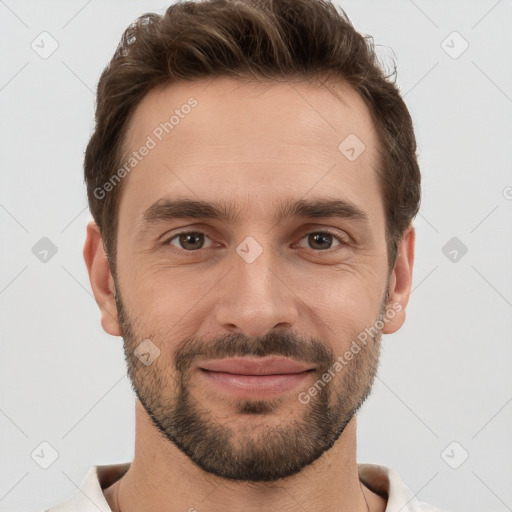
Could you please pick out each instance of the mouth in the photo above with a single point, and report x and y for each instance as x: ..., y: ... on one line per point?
x: 259, y: 366
x: 249, y: 378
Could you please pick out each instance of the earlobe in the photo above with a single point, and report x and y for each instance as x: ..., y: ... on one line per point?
x: 101, y: 279
x: 400, y: 283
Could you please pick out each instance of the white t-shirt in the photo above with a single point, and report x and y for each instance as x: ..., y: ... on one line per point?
x: 380, y: 479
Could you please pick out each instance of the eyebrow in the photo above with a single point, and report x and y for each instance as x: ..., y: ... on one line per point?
x: 165, y: 210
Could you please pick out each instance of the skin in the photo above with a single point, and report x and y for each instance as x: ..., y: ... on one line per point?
x: 253, y: 145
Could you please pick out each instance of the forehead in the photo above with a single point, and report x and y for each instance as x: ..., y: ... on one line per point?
x: 225, y: 138
x: 224, y: 107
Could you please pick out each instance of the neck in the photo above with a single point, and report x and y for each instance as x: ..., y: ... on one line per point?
x: 163, y: 479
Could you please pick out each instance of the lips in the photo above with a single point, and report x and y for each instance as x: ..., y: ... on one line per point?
x: 244, y: 377
x: 260, y: 366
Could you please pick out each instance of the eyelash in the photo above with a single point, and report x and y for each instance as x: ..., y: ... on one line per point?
x: 343, y: 242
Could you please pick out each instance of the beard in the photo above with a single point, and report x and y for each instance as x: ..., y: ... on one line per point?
x: 262, y: 447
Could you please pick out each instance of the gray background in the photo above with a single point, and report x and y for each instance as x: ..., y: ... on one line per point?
x: 445, y: 376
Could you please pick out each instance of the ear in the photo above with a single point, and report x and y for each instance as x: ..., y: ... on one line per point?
x: 400, y: 282
x: 101, y: 279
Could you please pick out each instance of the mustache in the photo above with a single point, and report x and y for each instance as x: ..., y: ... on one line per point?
x: 312, y: 351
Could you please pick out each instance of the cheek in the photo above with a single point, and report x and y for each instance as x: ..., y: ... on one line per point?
x: 166, y: 301
x: 342, y: 307
x: 335, y: 303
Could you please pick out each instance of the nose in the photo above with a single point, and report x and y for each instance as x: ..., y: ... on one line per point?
x: 256, y: 297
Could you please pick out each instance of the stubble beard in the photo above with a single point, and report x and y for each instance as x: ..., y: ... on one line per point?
x: 257, y: 448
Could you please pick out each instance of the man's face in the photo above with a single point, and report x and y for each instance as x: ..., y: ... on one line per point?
x: 266, y: 280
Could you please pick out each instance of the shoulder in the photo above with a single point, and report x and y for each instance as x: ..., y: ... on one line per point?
x: 89, y: 497
x: 386, y: 482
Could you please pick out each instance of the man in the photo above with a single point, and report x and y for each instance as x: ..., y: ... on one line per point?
x: 253, y: 181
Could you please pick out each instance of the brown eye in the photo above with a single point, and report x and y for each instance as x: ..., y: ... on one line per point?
x: 321, y: 240
x: 188, y: 241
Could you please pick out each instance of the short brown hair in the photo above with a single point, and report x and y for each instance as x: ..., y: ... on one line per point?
x: 262, y: 40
